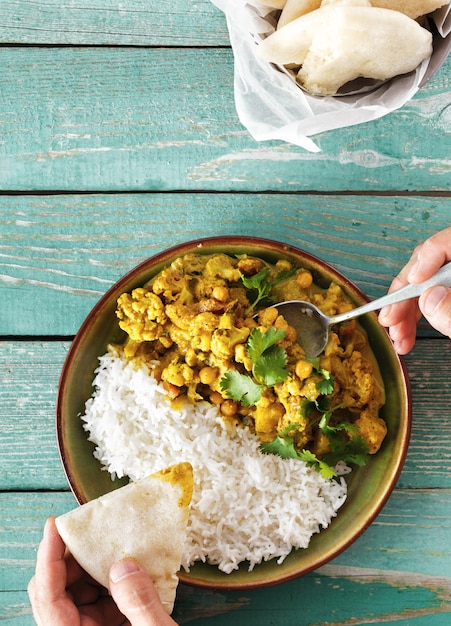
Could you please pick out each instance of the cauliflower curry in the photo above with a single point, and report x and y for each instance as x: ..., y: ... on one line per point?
x: 206, y: 327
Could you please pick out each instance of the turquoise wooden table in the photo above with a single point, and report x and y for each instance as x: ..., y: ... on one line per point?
x: 119, y: 137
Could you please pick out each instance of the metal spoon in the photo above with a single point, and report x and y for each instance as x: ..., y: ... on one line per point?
x: 312, y: 325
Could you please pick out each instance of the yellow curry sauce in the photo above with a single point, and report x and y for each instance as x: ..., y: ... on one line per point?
x: 195, y: 319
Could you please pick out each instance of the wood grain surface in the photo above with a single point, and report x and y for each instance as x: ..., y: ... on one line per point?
x: 63, y: 251
x: 119, y: 137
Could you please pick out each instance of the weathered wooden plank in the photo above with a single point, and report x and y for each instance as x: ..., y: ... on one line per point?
x: 429, y: 453
x: 29, y: 376
x: 59, y: 254
x: 28, y: 387
x: 387, y: 576
x: 109, y: 22
x: 123, y: 119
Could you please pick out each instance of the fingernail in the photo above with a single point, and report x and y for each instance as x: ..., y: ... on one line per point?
x: 413, y: 270
x: 433, y: 299
x: 385, y: 312
x: 123, y: 568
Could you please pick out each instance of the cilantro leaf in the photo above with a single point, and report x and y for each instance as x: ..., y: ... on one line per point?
x: 269, y: 362
x: 321, y: 466
x: 241, y: 388
x: 324, y: 422
x: 307, y: 407
x: 289, y: 428
x: 326, y: 385
x: 284, y: 447
x: 270, y: 368
x: 280, y: 446
x: 258, y: 283
x: 258, y: 342
x: 353, y: 450
x: 315, y: 361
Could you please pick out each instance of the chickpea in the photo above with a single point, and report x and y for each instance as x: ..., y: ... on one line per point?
x: 208, y: 375
x: 283, y: 266
x: 303, y: 369
x: 229, y: 408
x: 268, y: 316
x: 216, y: 398
x: 304, y: 279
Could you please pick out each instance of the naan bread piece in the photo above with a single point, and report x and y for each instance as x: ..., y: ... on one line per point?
x: 275, y: 4
x: 296, y: 8
x: 412, y: 8
x: 146, y: 520
x: 345, y: 40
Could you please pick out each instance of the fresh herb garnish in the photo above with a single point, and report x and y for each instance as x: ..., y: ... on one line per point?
x: 262, y: 286
x: 241, y: 388
x: 269, y: 362
x: 345, y: 442
x: 325, y: 386
x: 284, y: 447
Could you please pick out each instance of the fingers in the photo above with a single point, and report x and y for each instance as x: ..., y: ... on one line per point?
x: 136, y: 596
x: 430, y: 256
x: 435, y: 304
x: 47, y: 588
x: 50, y: 565
x: 401, y: 319
x: 403, y: 336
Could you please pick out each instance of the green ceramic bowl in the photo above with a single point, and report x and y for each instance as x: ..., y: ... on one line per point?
x: 368, y: 487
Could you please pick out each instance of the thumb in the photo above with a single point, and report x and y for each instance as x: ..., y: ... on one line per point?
x: 435, y: 304
x: 136, y: 596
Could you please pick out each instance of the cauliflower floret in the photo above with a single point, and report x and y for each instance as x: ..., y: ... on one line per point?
x: 180, y: 315
x: 266, y: 416
x: 170, y: 283
x: 372, y: 428
x: 224, y: 340
x: 178, y: 374
x: 355, y: 379
x: 201, y: 330
x: 293, y: 418
x: 250, y: 266
x: 221, y: 266
x: 241, y: 356
x: 141, y: 314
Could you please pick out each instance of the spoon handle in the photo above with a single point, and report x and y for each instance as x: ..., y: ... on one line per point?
x: 441, y: 277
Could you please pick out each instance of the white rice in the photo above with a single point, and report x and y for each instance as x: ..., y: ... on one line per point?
x: 246, y: 506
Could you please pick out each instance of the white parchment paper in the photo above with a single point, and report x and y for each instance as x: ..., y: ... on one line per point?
x: 270, y: 104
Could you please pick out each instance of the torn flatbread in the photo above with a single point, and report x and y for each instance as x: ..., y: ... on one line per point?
x: 146, y: 520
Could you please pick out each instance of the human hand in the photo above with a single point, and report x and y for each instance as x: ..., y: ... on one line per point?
x: 62, y: 594
x: 434, y: 303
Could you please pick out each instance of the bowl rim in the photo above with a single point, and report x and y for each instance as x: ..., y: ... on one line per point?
x: 224, y: 581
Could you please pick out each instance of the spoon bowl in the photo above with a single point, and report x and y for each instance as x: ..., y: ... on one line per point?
x: 312, y: 325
